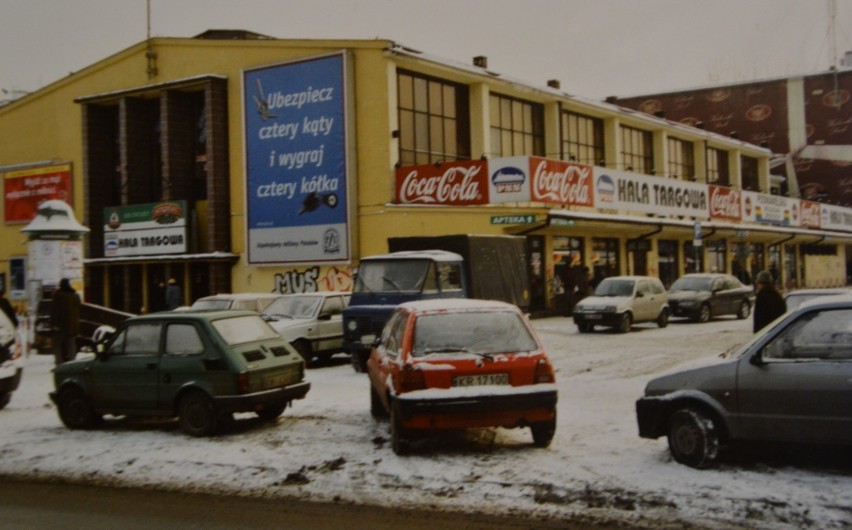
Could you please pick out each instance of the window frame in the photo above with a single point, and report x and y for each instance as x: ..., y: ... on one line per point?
x: 525, y: 138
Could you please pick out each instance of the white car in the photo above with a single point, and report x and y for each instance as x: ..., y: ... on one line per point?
x: 249, y: 301
x: 621, y: 301
x: 11, y: 360
x: 311, y: 322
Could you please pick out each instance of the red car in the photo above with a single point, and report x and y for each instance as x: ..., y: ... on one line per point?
x: 454, y: 364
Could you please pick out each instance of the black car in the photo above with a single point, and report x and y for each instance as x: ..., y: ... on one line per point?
x: 702, y: 296
x: 791, y: 383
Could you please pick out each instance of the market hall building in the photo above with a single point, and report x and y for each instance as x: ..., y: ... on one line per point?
x: 235, y: 162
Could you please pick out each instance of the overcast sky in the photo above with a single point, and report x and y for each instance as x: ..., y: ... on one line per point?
x: 595, y: 47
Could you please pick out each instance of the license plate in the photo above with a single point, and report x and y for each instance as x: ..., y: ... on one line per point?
x: 481, y: 380
x: 273, y: 381
x: 593, y: 317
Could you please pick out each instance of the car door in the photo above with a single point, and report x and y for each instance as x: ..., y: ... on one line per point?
x: 330, y: 324
x: 125, y: 377
x: 643, y: 302
x: 184, y: 361
x: 384, y: 367
x: 801, y: 390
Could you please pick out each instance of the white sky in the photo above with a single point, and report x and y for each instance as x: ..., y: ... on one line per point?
x: 595, y: 47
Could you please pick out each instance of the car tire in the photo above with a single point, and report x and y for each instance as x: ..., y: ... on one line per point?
x: 542, y: 432
x: 744, y: 311
x: 75, y: 409
x: 663, y: 318
x: 625, y: 323
x: 271, y: 413
x: 586, y: 328
x: 304, y: 348
x: 197, y: 414
x: 693, y: 438
x: 5, y: 399
x: 377, y: 408
x: 399, y: 436
x: 703, y: 314
x: 359, y: 361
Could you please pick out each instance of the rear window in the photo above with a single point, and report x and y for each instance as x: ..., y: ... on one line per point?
x: 243, y: 329
x: 207, y: 305
x: 471, y: 332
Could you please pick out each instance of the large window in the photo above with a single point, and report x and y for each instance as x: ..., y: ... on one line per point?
x: 517, y: 127
x: 433, y: 120
x: 749, y: 174
x: 637, y: 150
x: 717, y: 167
x: 681, y: 159
x: 582, y: 138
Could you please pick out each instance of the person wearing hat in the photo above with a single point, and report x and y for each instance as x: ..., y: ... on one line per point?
x: 65, y: 318
x: 768, y: 304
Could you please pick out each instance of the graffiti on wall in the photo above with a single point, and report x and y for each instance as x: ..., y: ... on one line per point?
x: 314, y: 279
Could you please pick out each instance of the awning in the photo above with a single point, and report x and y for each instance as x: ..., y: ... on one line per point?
x: 162, y: 258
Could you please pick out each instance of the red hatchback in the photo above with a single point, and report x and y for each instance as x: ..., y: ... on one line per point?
x: 454, y: 364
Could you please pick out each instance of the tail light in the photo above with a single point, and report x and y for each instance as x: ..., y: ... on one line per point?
x: 411, y: 379
x: 543, y: 372
x: 243, y: 383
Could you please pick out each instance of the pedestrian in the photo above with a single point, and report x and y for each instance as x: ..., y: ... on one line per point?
x: 174, y: 299
x: 65, y: 319
x: 7, y: 308
x: 768, y: 304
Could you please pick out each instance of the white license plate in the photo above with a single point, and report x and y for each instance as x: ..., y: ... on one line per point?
x: 481, y: 379
x: 593, y: 317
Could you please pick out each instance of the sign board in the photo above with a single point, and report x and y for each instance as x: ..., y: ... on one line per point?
x: 624, y: 190
x: 145, y: 229
x: 513, y: 219
x: 24, y: 189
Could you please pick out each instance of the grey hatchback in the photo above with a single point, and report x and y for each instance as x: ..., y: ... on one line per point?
x: 791, y: 383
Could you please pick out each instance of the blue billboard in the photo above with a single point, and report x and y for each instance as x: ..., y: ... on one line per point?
x: 296, y: 166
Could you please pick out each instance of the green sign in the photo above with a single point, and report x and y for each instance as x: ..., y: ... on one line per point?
x: 557, y: 221
x: 513, y: 219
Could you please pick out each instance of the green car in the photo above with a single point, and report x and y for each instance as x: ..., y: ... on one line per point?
x: 200, y: 367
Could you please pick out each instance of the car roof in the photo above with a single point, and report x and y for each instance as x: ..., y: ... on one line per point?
x: 834, y: 300
x: 822, y: 291
x: 239, y: 296
x: 435, y: 255
x: 456, y: 305
x: 705, y: 275
x: 629, y: 277
x: 194, y: 315
x: 318, y: 293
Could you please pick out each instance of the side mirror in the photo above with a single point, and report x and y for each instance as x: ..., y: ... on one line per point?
x: 757, y: 359
x: 324, y: 316
x: 640, y: 295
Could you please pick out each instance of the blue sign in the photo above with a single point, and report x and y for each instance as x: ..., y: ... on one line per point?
x: 296, y: 166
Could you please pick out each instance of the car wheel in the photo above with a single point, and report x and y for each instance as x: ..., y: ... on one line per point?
x: 693, y: 438
x: 625, y: 323
x: 377, y: 408
x: 399, y: 437
x: 663, y: 319
x: 198, y: 414
x: 585, y: 328
x: 359, y: 361
x: 75, y: 410
x: 543, y: 432
x: 5, y: 399
x: 744, y: 311
x: 304, y: 348
x: 703, y: 314
x: 271, y: 412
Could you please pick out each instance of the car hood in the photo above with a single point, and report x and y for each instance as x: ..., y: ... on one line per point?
x: 76, y: 366
x: 596, y: 301
x: 687, y: 295
x: 708, y: 379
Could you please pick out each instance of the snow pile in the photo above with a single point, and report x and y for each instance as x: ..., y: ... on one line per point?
x: 328, y: 447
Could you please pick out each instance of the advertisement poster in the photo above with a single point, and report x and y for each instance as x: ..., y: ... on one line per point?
x: 557, y: 182
x: 770, y: 209
x: 457, y: 183
x: 24, y: 189
x: 624, y: 190
x: 296, y: 164
x: 145, y: 229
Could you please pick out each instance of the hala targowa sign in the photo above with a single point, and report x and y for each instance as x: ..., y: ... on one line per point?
x: 145, y: 229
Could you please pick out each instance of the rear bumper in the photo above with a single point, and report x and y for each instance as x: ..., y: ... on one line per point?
x: 10, y: 379
x: 266, y: 398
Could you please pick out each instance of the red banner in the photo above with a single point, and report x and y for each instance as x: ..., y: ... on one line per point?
x: 725, y: 203
x: 462, y: 183
x: 25, y: 189
x: 558, y: 182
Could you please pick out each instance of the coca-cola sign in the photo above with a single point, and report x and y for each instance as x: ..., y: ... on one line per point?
x: 462, y: 183
x: 557, y: 182
x: 810, y: 214
x: 725, y: 203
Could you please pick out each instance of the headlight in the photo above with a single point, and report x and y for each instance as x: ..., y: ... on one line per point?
x: 352, y: 325
x: 610, y: 309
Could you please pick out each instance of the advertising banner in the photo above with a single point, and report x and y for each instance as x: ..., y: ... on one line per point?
x: 557, y: 182
x: 509, y: 179
x: 145, y: 229
x: 296, y: 161
x: 623, y: 190
x: 810, y: 214
x: 24, y: 189
x: 770, y: 209
x: 460, y: 183
x: 725, y: 203
x: 836, y: 217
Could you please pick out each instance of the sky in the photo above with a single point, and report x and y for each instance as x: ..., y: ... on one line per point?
x: 596, y: 48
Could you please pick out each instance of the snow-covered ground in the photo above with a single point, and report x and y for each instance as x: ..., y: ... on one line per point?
x: 328, y: 447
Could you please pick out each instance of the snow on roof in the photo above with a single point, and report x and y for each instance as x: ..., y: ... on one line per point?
x: 434, y: 255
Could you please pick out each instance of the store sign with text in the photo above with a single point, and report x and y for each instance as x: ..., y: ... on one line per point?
x: 24, y: 189
x: 145, y: 229
x: 557, y: 182
x: 725, y: 203
x: 460, y: 183
x: 836, y: 218
x: 770, y: 209
x: 623, y: 190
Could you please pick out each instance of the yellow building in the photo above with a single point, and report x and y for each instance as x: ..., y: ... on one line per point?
x: 235, y: 162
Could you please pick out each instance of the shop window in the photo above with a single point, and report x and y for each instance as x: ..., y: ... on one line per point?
x: 433, y: 120
x: 750, y: 178
x: 717, y: 256
x: 681, y: 159
x: 582, y: 138
x: 668, y: 263
x: 637, y: 150
x: 693, y: 257
x: 517, y: 127
x: 605, y: 262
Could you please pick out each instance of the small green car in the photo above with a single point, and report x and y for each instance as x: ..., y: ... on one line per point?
x: 201, y: 367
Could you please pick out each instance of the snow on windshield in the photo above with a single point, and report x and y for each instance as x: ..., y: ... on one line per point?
x: 610, y: 287
x: 248, y: 328
x: 470, y: 332
x: 691, y: 284
x: 391, y: 276
x: 206, y: 305
x: 293, y: 307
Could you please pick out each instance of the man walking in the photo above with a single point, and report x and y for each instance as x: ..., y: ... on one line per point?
x: 65, y: 318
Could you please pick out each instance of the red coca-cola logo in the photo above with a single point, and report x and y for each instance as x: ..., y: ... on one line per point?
x: 454, y: 185
x: 725, y: 203
x: 562, y: 183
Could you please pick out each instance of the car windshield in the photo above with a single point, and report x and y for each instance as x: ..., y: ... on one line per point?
x: 480, y: 333
x: 205, y: 305
x: 610, y: 287
x: 243, y: 329
x: 391, y: 276
x: 691, y: 284
x: 293, y: 307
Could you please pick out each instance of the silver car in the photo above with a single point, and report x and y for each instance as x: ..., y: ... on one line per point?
x: 621, y: 301
x: 791, y: 383
x: 311, y: 322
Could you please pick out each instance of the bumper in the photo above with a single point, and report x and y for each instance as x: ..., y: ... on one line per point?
x: 681, y: 311
x: 258, y: 400
x: 651, y: 414
x: 460, y: 411
x: 599, y: 319
x: 10, y: 378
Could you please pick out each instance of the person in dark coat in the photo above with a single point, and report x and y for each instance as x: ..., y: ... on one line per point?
x: 174, y: 299
x: 65, y: 318
x: 768, y: 304
x: 7, y: 308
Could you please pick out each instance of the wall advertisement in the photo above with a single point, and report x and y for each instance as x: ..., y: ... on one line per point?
x: 770, y: 209
x: 145, y: 229
x: 295, y: 135
x: 624, y: 190
x: 24, y: 189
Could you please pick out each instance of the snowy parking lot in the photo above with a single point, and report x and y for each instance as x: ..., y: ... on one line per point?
x: 328, y: 447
